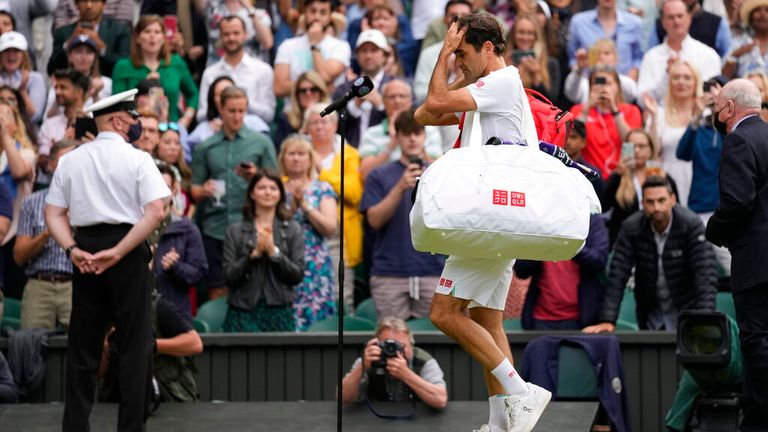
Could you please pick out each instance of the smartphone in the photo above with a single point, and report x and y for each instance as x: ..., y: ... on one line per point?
x: 84, y: 125
x: 416, y: 160
x: 155, y: 97
x: 600, y: 80
x: 169, y: 22
x: 519, y: 55
x: 627, y: 150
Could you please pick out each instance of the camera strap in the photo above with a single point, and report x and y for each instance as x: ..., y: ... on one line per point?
x: 379, y: 414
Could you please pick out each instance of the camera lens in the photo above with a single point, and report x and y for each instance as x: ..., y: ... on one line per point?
x: 702, y: 338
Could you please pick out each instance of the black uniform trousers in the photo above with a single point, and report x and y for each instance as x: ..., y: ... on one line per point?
x: 120, y: 297
x: 752, y: 316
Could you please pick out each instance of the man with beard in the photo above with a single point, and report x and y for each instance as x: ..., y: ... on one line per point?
x: 71, y: 91
x: 314, y: 50
x: 249, y: 73
x: 675, y: 265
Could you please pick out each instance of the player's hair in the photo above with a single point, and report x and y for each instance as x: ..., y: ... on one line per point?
x: 483, y: 27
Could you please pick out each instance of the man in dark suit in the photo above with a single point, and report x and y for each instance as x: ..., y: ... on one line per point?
x: 112, y: 37
x: 740, y: 223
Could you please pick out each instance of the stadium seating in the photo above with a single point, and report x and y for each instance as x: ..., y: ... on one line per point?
x: 213, y: 313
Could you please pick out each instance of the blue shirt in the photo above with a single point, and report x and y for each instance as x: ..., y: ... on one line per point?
x: 702, y: 146
x: 52, y: 259
x: 585, y: 30
x: 393, y: 252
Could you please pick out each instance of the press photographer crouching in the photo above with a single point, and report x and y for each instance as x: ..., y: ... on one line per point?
x: 392, y: 369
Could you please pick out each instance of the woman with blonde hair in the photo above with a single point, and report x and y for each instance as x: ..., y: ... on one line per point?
x: 327, y: 144
x: 623, y: 190
x: 151, y: 58
x: 17, y: 170
x: 668, y: 123
x: 308, y: 89
x: 601, y: 53
x: 313, y: 205
x: 538, y: 72
x: 761, y: 81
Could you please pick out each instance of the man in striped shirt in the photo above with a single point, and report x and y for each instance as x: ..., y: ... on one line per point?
x: 47, y: 299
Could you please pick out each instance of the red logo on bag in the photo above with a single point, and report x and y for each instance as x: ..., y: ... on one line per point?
x: 500, y: 197
x: 516, y: 199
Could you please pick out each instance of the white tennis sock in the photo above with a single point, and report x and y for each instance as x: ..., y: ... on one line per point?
x: 510, y: 379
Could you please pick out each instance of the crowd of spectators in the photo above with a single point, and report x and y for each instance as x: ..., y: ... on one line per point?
x: 230, y: 95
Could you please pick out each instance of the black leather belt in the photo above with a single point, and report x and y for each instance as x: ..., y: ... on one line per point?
x: 52, y: 277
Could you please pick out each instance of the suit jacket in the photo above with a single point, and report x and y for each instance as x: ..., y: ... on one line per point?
x: 740, y: 222
x: 115, y: 34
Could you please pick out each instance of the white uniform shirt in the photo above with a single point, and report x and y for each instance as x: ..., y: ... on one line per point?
x: 106, y: 181
x: 500, y: 102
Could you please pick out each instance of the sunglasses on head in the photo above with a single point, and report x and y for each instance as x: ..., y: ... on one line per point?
x: 164, y: 126
x: 314, y: 90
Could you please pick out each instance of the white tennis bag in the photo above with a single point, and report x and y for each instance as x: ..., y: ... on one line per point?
x: 502, y: 201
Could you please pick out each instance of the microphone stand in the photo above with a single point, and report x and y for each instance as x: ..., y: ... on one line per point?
x: 342, y: 129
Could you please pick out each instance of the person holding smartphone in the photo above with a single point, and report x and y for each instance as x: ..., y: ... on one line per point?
x: 527, y: 50
x: 607, y: 118
x: 402, y: 279
x: 668, y: 123
x: 622, y: 195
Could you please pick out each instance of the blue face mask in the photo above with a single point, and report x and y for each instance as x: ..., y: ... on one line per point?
x: 134, y: 132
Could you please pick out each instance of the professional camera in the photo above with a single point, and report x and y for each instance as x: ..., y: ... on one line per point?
x: 389, y: 348
x: 388, y: 397
x: 708, y: 349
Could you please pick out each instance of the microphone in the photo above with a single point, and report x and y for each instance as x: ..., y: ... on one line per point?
x: 560, y: 154
x: 360, y: 87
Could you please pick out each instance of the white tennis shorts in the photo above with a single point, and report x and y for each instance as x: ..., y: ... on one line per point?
x: 484, y: 281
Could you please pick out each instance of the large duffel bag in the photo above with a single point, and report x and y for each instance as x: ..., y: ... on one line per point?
x: 502, y: 201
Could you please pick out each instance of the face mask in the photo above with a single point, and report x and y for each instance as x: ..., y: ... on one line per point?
x: 134, y: 132
x: 719, y: 125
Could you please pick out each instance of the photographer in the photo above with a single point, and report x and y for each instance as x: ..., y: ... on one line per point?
x: 409, y: 364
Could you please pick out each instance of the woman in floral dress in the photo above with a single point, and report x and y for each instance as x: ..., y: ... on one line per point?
x: 314, y: 206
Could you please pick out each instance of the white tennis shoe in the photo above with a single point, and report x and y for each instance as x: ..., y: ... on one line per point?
x: 523, y: 412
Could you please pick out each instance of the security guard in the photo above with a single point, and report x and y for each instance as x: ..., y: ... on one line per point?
x: 111, y: 195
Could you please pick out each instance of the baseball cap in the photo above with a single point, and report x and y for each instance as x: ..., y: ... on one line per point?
x: 373, y: 36
x: 13, y: 39
x: 82, y: 39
